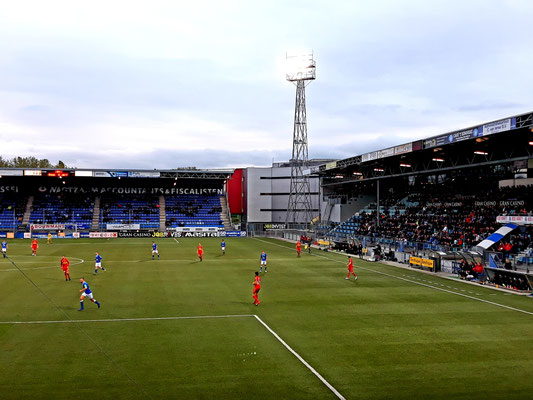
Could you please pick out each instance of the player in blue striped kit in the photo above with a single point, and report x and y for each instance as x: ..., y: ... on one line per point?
x: 86, y: 292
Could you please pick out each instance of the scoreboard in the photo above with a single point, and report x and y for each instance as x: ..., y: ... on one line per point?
x: 59, y: 173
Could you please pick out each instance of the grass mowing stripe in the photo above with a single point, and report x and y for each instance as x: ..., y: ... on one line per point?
x: 450, y: 291
x: 70, y: 321
x: 325, y: 382
x: 305, y: 363
x: 99, y: 348
x: 190, y: 261
x: 81, y: 261
x: 416, y: 283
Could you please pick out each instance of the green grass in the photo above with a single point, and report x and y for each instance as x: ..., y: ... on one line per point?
x: 378, y: 338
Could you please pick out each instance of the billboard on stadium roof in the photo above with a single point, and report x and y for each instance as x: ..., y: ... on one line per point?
x: 369, y: 156
x: 386, y: 152
x: 499, y: 126
x: 144, y: 174
x: 33, y: 172
x: 83, y: 173
x: 110, y: 174
x: 331, y: 165
x: 11, y: 172
x: 404, y: 148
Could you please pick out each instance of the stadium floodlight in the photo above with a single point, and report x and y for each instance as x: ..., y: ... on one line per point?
x: 300, y: 67
x: 531, y: 143
x: 300, y: 70
x: 437, y: 159
x: 405, y: 165
x: 480, y: 153
x: 379, y: 170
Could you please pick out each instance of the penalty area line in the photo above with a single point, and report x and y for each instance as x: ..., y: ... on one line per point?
x: 176, y: 240
x: 294, y: 353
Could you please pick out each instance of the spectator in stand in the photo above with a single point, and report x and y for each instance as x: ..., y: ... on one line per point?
x: 507, y: 248
x: 478, y: 271
x: 508, y: 264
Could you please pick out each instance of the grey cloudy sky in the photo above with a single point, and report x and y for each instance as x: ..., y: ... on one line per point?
x: 166, y: 84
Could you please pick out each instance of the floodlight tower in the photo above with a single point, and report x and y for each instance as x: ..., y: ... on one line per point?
x: 301, y: 71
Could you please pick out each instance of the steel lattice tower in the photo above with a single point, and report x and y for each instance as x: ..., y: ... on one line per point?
x: 299, y: 209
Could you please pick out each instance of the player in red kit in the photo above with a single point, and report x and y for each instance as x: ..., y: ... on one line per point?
x: 257, y: 288
x: 350, y: 268
x: 200, y: 252
x: 34, y: 247
x: 298, y: 248
x: 64, y: 266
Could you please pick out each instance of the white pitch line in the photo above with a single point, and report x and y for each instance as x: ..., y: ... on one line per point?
x: 325, y: 382
x: 176, y: 241
x: 419, y: 283
x: 451, y: 291
x: 81, y: 261
x: 71, y: 321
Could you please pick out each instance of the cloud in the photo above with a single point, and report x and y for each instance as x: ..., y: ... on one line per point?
x: 132, y: 84
x: 494, y: 105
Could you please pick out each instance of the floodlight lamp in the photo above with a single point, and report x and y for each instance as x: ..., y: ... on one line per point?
x: 300, y: 68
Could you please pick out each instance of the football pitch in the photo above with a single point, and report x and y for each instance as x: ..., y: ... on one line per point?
x: 180, y: 328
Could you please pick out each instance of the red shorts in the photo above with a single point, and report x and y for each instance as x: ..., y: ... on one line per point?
x: 34, y: 247
x: 65, y: 269
x: 257, y: 289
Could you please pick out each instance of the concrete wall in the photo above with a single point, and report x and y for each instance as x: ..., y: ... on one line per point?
x: 354, y: 206
x: 341, y: 212
x: 268, y: 189
x: 255, y: 202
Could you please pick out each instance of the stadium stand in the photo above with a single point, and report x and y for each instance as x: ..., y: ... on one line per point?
x: 193, y: 210
x: 129, y: 209
x: 12, y: 207
x: 69, y: 209
x: 448, y: 215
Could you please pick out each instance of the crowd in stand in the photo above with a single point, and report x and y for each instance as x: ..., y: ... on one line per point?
x: 61, y: 208
x: 117, y: 208
x: 446, y: 218
x: 193, y: 209
x: 11, y: 210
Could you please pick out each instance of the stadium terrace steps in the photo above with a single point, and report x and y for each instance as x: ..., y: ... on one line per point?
x: 27, y: 212
x: 224, y: 214
x: 96, y: 214
x: 162, y: 213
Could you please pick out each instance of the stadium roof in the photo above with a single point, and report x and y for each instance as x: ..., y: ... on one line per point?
x: 120, y: 173
x: 495, y: 142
